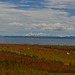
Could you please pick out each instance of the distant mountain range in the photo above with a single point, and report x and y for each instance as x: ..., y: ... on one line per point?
x: 59, y: 37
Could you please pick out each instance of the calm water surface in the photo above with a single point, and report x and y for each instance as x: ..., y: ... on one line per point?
x: 42, y: 41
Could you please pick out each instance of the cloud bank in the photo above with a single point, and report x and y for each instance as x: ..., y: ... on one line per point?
x: 16, y: 21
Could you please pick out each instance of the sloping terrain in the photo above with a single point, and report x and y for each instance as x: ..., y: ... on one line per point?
x: 36, y: 58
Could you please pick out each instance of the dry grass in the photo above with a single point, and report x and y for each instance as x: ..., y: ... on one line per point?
x: 39, y: 59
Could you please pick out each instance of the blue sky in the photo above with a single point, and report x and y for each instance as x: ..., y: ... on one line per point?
x: 37, y: 17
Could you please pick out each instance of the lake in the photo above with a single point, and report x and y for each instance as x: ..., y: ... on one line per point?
x: 41, y: 41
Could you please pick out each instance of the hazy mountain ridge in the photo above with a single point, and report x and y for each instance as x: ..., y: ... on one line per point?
x: 64, y: 37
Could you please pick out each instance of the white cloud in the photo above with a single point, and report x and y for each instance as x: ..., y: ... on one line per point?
x: 16, y: 23
x: 36, y: 19
x: 55, y: 27
x: 28, y: 28
x: 25, y: 1
x: 69, y: 4
x: 6, y: 5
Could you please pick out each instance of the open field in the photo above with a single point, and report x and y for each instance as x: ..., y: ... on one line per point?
x: 36, y: 59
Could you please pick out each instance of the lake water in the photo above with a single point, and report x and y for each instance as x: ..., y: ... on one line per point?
x: 41, y: 41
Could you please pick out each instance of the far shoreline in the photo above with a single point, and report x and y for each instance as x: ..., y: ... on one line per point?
x: 36, y: 44
x: 47, y: 37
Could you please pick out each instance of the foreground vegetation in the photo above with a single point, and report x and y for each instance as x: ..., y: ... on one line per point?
x: 36, y: 59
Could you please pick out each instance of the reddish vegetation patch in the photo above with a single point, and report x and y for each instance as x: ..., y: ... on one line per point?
x: 23, y: 46
x: 37, y: 63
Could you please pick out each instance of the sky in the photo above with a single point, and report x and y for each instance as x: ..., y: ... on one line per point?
x: 39, y: 17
